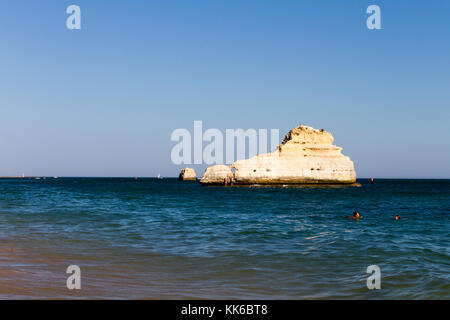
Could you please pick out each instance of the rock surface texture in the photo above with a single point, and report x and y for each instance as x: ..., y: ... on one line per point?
x: 305, y: 156
x: 217, y: 174
x: 187, y: 174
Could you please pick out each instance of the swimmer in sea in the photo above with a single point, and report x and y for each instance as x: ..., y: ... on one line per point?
x: 356, y: 215
x: 397, y: 217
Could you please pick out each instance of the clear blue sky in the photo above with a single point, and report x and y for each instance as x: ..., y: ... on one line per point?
x: 103, y: 101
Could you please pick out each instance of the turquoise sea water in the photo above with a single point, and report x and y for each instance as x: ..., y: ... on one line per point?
x: 150, y: 238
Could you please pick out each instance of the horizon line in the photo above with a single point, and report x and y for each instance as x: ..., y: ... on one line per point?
x: 176, y: 177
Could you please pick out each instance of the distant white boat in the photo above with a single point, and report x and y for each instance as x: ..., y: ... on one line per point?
x: 159, y: 176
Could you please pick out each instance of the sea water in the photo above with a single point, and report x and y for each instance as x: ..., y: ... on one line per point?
x: 166, y: 239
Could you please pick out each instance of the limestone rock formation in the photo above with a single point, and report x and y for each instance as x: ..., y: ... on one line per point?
x: 217, y: 174
x: 305, y: 156
x: 187, y: 174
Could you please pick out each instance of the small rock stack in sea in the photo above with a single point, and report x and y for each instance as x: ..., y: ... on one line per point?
x: 187, y: 174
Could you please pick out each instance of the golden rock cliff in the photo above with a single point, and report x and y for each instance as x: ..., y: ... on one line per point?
x: 305, y: 156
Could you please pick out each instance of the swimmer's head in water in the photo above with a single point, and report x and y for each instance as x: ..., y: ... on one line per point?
x: 397, y: 217
x: 356, y: 214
